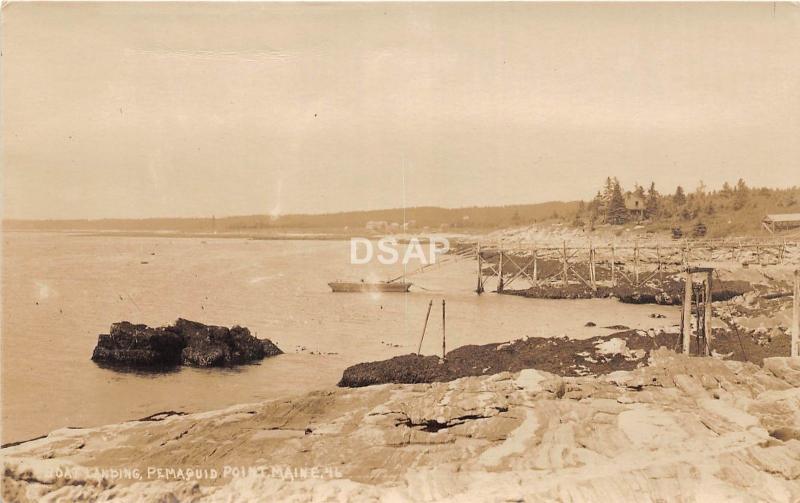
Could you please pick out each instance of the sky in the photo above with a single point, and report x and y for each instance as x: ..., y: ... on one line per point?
x: 183, y: 110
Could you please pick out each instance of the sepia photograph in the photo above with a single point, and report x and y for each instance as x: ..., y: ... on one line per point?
x: 400, y: 251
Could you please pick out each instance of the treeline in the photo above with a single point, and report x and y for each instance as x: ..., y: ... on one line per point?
x: 737, y: 206
x: 418, y: 219
x: 731, y: 209
x: 430, y: 217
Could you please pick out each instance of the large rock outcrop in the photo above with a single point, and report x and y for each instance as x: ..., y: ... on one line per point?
x: 680, y: 429
x: 184, y: 343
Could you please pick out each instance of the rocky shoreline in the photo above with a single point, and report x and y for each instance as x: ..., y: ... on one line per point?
x: 183, y: 343
x: 664, y: 291
x: 563, y: 356
x: 679, y: 428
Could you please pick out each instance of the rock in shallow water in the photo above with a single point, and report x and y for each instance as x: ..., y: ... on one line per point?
x: 184, y: 343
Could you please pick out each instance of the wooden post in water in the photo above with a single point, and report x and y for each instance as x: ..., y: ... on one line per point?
x: 479, y: 289
x: 636, y: 262
x: 613, y: 267
x: 592, y: 277
x: 444, y: 343
x: 707, y: 315
x: 658, y: 258
x: 430, y: 305
x: 500, y: 273
x: 795, y: 348
x: 686, y: 325
x: 535, y: 267
x: 565, y: 270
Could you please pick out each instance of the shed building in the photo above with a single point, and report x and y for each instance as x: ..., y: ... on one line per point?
x: 781, y: 221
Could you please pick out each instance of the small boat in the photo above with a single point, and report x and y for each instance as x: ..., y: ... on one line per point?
x: 363, y: 286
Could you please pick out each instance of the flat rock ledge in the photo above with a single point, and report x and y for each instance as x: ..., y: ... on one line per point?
x: 184, y: 343
x: 679, y: 429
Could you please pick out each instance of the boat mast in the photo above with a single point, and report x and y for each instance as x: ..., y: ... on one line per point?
x: 404, y: 212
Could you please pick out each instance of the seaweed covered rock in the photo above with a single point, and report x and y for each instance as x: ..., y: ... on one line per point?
x: 212, y: 346
x: 625, y: 350
x: 186, y: 342
x: 130, y: 344
x: 669, y: 291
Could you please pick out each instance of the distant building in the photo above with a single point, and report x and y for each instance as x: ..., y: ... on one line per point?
x: 377, y: 225
x: 781, y: 221
x: 635, y: 204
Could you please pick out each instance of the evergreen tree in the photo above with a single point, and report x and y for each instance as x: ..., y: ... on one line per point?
x: 741, y: 186
x: 679, y: 198
x: 616, y: 206
x: 727, y: 191
x: 740, y: 195
x: 652, y: 203
x: 608, y: 191
x: 596, y: 207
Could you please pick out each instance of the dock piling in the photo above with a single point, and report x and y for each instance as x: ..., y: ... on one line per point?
x: 424, y: 327
x: 613, y: 267
x: 686, y: 320
x: 444, y: 319
x: 707, y: 315
x: 500, y: 273
x: 479, y: 289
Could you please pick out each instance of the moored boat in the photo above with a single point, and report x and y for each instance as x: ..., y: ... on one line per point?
x: 363, y: 286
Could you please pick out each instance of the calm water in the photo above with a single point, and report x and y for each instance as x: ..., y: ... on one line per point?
x: 60, y: 291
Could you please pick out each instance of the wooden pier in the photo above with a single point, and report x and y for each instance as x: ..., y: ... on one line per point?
x: 609, y: 264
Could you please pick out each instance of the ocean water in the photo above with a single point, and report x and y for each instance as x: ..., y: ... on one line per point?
x: 59, y: 291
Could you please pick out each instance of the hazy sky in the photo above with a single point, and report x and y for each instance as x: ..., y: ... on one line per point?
x: 123, y: 110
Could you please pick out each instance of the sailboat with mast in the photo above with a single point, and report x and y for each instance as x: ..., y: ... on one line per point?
x: 364, y: 286
x: 390, y: 286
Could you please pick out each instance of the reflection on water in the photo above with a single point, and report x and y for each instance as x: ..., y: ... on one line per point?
x: 156, y: 371
x: 61, y: 291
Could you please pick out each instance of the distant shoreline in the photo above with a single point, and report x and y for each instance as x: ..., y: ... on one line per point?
x: 288, y: 236
x: 181, y: 234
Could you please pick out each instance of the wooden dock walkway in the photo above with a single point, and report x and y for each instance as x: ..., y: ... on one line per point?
x: 608, y: 264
